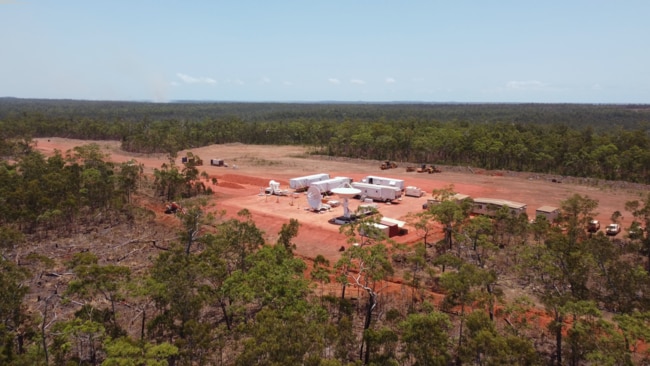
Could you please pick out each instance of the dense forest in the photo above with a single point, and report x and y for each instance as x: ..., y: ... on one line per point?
x: 218, y: 293
x: 599, y: 141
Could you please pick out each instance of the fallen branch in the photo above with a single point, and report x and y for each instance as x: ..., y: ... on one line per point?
x: 128, y: 254
x: 153, y: 242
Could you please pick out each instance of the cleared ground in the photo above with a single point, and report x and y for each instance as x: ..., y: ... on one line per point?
x: 251, y: 168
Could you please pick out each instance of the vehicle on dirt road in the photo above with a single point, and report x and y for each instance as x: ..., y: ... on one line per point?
x: 613, y: 229
x: 593, y: 226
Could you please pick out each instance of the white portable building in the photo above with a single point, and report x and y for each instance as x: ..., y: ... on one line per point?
x: 378, y: 192
x: 551, y: 213
x: 489, y: 206
x: 382, y: 181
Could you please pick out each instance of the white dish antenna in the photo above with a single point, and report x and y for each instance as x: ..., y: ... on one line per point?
x: 314, y: 198
x: 346, y: 192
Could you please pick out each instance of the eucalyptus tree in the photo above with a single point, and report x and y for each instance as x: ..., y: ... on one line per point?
x: 592, y: 338
x: 93, y: 279
x: 463, y: 287
x: 274, y: 292
x: 619, y: 279
x: 240, y: 237
x: 13, y: 318
x: 484, y: 344
x: 640, y: 210
x: 321, y: 272
x: 635, y: 329
x: 128, y: 176
x: 367, y: 266
x: 452, y: 215
x: 425, y: 338
x: 360, y: 232
x: 561, y: 267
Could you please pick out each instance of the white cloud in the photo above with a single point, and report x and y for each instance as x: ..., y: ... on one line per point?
x: 525, y: 85
x: 235, y: 81
x: 357, y: 81
x: 390, y: 80
x: 194, y: 80
x: 334, y: 81
x: 287, y: 83
x: 265, y: 80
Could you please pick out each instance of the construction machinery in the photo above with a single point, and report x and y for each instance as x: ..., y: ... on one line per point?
x: 428, y: 169
x: 173, y: 208
x: 388, y: 165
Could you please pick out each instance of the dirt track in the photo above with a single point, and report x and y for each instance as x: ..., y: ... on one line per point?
x: 252, y: 167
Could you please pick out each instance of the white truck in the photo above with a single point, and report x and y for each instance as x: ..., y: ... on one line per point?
x: 302, y: 183
x: 377, y: 192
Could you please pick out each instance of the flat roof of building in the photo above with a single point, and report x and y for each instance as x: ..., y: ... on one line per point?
x: 499, y: 202
x: 547, y: 209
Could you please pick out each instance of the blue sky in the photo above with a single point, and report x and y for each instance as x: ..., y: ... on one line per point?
x: 569, y: 51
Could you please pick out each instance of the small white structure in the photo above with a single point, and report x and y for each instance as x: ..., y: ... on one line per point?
x: 413, y: 191
x: 382, y: 181
x: 274, y: 189
x: 395, y: 227
x: 303, y: 183
x: 551, y: 213
x: 327, y: 185
x: 378, y: 192
x: 489, y: 206
x: 381, y: 229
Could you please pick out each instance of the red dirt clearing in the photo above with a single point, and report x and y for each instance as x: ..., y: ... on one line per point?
x: 251, y: 167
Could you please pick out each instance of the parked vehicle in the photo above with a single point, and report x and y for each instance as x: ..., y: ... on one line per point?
x: 635, y: 231
x: 593, y: 226
x: 613, y: 229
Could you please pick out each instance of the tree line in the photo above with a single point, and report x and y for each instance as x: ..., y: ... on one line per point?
x: 597, y: 141
x: 222, y: 294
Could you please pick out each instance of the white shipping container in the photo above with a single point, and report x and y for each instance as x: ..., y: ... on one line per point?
x: 327, y: 185
x: 413, y: 191
x: 302, y: 183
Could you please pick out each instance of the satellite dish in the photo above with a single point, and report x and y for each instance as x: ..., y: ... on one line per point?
x: 346, y: 192
x: 314, y: 198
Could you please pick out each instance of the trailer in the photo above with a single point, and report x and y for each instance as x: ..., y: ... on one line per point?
x: 391, y: 182
x: 377, y: 192
x: 326, y: 186
x: 218, y: 162
x: 302, y: 183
